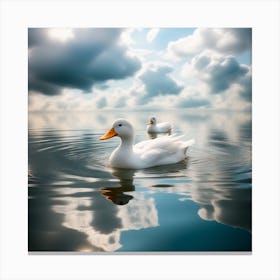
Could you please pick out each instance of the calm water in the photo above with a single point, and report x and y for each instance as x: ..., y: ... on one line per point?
x: 77, y: 203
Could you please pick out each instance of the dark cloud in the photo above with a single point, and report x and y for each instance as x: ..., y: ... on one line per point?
x: 90, y: 57
x: 157, y: 81
x: 241, y: 40
x: 36, y: 36
x: 219, y: 72
x: 246, y: 87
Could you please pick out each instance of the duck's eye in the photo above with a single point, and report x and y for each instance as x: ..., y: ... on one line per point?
x: 120, y: 124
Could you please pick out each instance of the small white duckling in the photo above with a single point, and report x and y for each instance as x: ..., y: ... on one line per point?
x: 154, y: 127
x: 167, y: 149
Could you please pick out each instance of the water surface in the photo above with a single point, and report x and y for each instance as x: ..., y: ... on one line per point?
x: 77, y: 203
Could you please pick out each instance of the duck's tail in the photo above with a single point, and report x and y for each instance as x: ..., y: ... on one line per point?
x: 187, y: 144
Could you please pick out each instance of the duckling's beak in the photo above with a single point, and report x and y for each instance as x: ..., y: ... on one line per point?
x: 111, y: 133
x: 150, y: 122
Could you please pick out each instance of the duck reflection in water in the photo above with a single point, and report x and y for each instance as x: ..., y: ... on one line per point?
x: 118, y: 194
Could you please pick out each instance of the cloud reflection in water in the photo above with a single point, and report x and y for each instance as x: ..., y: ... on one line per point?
x: 77, y: 203
x: 103, y: 228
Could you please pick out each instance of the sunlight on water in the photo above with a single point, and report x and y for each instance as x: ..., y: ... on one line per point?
x: 78, y: 203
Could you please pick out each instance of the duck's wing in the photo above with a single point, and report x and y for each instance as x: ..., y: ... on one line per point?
x: 152, y: 143
x: 164, y: 125
x: 161, y: 148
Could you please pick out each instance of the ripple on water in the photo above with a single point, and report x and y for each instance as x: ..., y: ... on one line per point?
x: 75, y: 196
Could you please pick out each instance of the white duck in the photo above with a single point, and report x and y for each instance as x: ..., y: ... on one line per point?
x: 160, y: 151
x: 154, y: 127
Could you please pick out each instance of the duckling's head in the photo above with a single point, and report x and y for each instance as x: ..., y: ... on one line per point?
x: 121, y: 128
x: 152, y: 121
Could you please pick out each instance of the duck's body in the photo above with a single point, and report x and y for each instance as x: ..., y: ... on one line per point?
x: 154, y: 127
x: 155, y: 152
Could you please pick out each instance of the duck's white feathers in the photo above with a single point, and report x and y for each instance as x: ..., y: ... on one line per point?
x: 162, y: 150
x: 159, y: 127
x: 154, y: 127
x: 159, y: 151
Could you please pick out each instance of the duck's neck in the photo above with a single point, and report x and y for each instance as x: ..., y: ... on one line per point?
x: 127, y: 143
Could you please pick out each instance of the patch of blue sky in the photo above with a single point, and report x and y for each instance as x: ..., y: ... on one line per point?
x: 161, y: 40
x: 167, y: 35
x: 245, y: 57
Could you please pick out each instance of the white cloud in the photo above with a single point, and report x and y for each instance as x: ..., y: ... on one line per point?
x: 126, y: 36
x: 66, y: 101
x: 61, y: 34
x: 152, y: 34
x: 192, y: 102
x: 224, y: 40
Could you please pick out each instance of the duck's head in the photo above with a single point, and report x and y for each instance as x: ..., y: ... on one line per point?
x: 121, y: 128
x: 152, y: 120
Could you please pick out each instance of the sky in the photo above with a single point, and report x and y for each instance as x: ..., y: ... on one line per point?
x: 85, y: 69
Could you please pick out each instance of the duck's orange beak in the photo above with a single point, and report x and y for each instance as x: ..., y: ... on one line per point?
x: 150, y: 122
x: 111, y: 133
